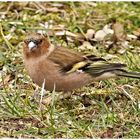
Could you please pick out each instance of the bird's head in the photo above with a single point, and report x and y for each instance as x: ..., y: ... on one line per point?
x: 35, y: 45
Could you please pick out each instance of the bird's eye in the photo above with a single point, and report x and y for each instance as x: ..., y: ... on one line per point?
x: 39, y: 41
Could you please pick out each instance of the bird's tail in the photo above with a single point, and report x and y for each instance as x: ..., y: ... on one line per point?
x: 108, y: 70
x: 127, y: 74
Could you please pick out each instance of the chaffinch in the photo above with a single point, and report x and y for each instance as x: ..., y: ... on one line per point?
x: 65, y: 69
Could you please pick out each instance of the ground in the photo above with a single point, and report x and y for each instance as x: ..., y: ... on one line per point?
x: 104, y: 109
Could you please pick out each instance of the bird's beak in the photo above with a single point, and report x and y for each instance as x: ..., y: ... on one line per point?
x: 31, y: 45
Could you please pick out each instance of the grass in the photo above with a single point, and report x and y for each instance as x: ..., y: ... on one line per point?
x: 103, y: 109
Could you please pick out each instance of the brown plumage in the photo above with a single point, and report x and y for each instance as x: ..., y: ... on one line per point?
x: 64, y: 68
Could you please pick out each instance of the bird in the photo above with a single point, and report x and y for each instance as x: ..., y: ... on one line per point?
x: 64, y: 68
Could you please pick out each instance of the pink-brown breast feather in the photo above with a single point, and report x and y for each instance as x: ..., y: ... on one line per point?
x: 49, y: 68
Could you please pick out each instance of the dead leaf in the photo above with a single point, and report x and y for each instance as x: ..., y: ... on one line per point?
x: 90, y: 33
x: 42, y: 7
x: 76, y: 36
x: 119, y: 43
x: 107, y: 29
x: 122, y: 47
x: 94, y: 4
x: 56, y: 4
x: 119, y: 34
x: 109, y: 57
x: 54, y: 9
x: 86, y: 45
x: 101, y: 34
x: 131, y: 37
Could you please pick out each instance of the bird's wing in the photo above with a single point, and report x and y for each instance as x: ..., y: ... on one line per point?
x: 70, y: 61
x: 65, y: 57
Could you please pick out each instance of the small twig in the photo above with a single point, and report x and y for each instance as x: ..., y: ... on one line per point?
x: 39, y: 6
x: 53, y: 96
x: 42, y: 93
x: 128, y: 95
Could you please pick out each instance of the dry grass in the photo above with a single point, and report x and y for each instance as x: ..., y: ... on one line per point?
x: 104, y: 109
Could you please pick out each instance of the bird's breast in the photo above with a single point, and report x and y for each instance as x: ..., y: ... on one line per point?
x: 40, y: 70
